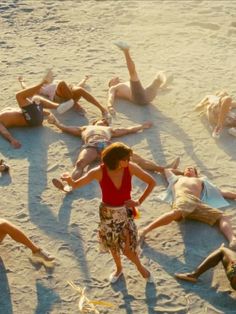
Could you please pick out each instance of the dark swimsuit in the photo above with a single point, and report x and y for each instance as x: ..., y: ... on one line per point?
x: 33, y: 114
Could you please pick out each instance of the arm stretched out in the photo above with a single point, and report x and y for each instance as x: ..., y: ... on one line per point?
x: 130, y: 130
x: 93, y: 174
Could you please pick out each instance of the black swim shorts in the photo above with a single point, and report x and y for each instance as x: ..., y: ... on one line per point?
x: 33, y: 114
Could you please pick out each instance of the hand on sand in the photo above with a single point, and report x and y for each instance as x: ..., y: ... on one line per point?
x: 52, y: 119
x: 15, y: 144
x: 147, y: 125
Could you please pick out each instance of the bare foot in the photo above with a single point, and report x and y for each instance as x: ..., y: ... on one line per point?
x: 161, y: 76
x: 187, y: 277
x: 122, y: 45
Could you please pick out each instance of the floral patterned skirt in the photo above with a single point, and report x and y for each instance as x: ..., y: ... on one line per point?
x: 117, y: 228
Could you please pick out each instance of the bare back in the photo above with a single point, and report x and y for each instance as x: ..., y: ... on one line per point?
x: 189, y: 185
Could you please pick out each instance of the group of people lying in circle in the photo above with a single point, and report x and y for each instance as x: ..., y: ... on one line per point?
x: 191, y: 196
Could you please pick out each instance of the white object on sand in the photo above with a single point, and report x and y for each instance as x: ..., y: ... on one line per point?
x: 65, y: 106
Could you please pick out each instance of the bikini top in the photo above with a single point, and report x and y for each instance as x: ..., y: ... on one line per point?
x: 110, y: 194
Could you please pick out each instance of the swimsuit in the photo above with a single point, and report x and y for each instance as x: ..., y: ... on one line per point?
x: 99, y: 145
x: 33, y: 114
x: 138, y: 93
x: 191, y: 207
x: 116, y: 221
x: 231, y: 270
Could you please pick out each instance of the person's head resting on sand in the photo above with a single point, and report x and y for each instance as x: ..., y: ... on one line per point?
x: 117, y: 155
x: 101, y: 122
x: 114, y: 81
x: 190, y: 171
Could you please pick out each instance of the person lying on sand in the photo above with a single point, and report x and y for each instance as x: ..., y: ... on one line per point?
x: 224, y: 255
x: 67, y: 95
x: 218, y: 109
x: 98, y: 136
x: 188, y: 190
x: 38, y: 254
x: 133, y: 89
x: 31, y: 112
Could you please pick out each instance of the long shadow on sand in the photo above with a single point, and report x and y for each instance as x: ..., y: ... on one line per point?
x: 196, y: 248
x: 5, y: 293
x: 161, y: 125
x: 46, y: 298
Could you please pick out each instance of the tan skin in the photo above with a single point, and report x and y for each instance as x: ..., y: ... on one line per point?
x: 122, y: 89
x: 10, y: 117
x: 191, y: 184
x: 222, y: 254
x: 89, y: 154
x: 116, y: 177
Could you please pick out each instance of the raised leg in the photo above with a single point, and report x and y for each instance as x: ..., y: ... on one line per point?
x: 224, y: 109
x: 85, y: 158
x: 152, y: 89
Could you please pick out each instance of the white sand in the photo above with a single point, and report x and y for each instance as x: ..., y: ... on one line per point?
x: 194, y: 40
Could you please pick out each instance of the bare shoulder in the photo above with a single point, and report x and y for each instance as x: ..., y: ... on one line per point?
x: 96, y: 173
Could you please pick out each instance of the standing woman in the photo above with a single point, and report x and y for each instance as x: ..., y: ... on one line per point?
x: 117, y: 230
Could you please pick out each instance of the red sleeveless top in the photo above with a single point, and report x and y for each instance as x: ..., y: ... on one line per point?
x: 110, y: 194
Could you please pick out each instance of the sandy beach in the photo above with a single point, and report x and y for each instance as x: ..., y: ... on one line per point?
x: 192, y: 40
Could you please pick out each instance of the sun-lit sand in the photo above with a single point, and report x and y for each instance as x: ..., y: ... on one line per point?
x: 195, y: 42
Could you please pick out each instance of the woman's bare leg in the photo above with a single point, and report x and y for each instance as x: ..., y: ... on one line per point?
x: 85, y: 158
x: 23, y: 95
x: 152, y: 89
x: 224, y: 110
x: 117, y: 260
x: 7, y: 228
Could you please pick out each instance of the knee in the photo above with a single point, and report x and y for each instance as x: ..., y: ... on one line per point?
x: 3, y: 225
x: 226, y: 102
x: 80, y: 163
x: 19, y: 97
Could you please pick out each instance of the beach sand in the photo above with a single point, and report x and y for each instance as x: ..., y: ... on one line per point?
x: 193, y: 40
